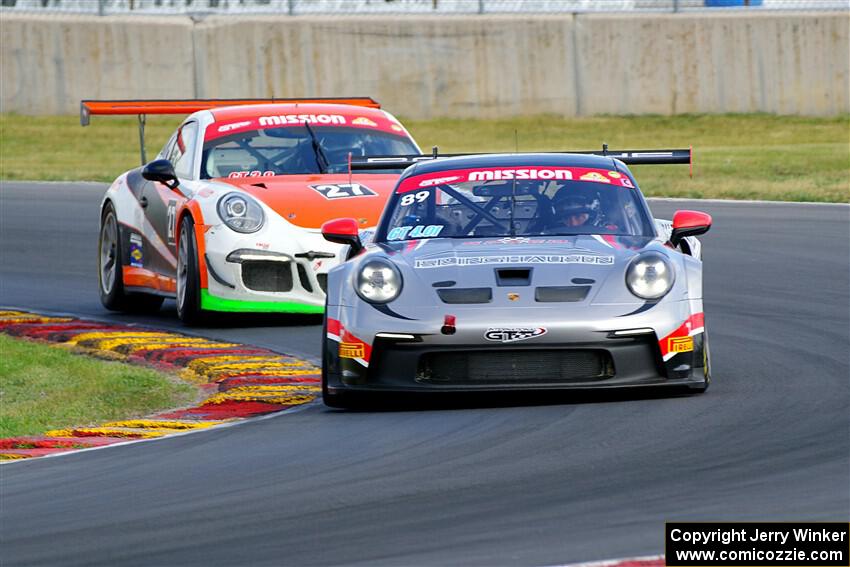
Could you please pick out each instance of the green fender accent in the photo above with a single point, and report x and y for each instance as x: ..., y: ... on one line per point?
x: 212, y: 303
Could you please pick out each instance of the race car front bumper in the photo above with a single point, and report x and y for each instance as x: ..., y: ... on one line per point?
x: 247, y: 273
x: 602, y: 359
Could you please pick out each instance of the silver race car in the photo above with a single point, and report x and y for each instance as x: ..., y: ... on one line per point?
x: 516, y: 271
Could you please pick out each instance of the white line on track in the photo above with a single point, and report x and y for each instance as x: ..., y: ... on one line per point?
x: 746, y: 202
x: 287, y: 411
x: 613, y: 562
x: 133, y: 441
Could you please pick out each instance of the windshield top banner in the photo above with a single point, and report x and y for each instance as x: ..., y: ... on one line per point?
x: 295, y: 119
x: 539, y: 173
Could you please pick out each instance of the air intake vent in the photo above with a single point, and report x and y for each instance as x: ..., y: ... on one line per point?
x: 267, y: 276
x: 323, y: 281
x: 466, y: 295
x: 513, y: 276
x: 305, y: 281
x: 517, y: 366
x: 561, y: 294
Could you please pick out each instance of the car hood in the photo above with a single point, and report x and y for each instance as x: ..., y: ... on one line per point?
x: 307, y: 202
x: 557, y: 261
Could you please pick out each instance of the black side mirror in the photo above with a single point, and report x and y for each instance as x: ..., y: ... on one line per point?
x: 161, y: 170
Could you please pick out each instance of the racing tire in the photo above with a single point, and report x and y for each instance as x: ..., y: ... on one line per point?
x: 706, y: 353
x: 110, y: 278
x: 188, y: 276
x: 339, y: 400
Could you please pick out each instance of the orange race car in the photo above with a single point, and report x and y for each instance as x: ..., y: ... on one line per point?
x: 228, y: 216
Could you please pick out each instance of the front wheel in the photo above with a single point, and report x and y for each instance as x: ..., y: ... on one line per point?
x: 330, y: 363
x: 706, y: 365
x: 188, y: 277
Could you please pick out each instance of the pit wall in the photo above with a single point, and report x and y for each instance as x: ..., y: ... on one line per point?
x: 430, y: 66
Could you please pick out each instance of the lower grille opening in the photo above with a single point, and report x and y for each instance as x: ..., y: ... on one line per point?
x: 267, y: 276
x: 302, y: 277
x: 515, y: 366
x: 323, y: 281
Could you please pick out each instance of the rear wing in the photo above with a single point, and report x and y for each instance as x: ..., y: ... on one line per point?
x: 142, y: 108
x: 629, y: 157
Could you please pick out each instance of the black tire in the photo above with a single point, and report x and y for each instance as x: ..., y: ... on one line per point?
x: 188, y: 276
x: 341, y: 400
x: 706, y: 353
x: 110, y: 278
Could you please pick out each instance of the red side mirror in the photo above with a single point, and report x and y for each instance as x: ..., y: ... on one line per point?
x: 689, y: 223
x: 343, y: 231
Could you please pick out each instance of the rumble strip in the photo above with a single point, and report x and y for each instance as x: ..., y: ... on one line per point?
x: 239, y: 381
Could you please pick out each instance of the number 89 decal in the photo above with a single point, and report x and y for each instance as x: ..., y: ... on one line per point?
x: 412, y: 198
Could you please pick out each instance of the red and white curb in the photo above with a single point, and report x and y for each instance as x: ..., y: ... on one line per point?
x: 645, y: 561
x: 239, y: 381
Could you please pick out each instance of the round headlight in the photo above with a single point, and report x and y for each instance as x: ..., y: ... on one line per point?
x: 240, y: 212
x: 650, y: 275
x: 378, y: 281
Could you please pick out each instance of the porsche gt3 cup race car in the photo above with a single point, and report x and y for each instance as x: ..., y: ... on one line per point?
x: 520, y: 271
x: 227, y: 217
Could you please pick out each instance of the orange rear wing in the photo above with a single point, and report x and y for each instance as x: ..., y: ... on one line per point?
x: 188, y: 106
x: 142, y: 108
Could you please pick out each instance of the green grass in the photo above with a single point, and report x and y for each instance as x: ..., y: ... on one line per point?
x: 44, y: 387
x: 757, y: 156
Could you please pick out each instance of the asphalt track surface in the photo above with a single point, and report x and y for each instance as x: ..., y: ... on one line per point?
x: 501, y: 481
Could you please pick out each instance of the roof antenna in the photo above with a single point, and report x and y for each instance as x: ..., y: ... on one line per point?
x: 516, y: 141
x: 434, y: 151
x: 604, y: 149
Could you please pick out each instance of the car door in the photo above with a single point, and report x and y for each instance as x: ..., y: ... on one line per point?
x: 160, y: 205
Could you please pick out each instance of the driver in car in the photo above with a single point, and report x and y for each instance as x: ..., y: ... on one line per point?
x: 575, y: 209
x: 580, y: 210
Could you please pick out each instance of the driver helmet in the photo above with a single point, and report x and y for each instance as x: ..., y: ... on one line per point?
x: 338, y: 147
x: 576, y: 207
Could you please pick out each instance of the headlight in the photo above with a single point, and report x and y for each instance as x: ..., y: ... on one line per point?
x: 240, y: 212
x: 378, y: 281
x: 650, y: 275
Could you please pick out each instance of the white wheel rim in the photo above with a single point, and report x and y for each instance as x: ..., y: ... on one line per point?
x: 108, y: 253
x: 182, y: 268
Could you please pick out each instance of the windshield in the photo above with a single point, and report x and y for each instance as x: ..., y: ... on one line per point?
x: 296, y: 150
x: 524, y: 202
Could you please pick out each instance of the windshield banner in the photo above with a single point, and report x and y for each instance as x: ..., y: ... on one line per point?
x: 295, y: 119
x: 542, y: 173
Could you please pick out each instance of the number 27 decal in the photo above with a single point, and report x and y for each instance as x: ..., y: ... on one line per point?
x: 172, y: 221
x: 343, y: 190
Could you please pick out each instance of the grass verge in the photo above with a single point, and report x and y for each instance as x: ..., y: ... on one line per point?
x: 44, y: 387
x: 754, y: 156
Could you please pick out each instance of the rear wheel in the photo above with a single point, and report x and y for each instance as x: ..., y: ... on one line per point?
x: 110, y: 270
x: 188, y: 276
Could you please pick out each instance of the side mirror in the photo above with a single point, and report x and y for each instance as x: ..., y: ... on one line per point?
x: 161, y: 170
x: 689, y: 223
x: 343, y: 231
